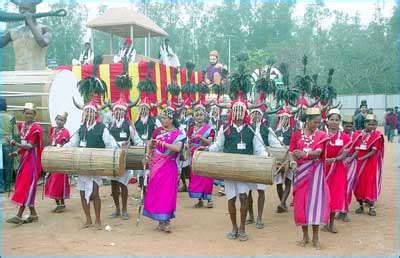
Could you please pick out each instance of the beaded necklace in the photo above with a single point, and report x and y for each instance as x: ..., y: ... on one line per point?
x: 308, y: 140
x: 365, y: 136
x: 55, y: 136
x: 25, y: 130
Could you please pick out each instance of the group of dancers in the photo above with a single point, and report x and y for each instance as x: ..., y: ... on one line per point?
x: 328, y: 160
x: 326, y: 166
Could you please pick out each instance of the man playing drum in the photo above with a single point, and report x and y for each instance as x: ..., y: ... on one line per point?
x: 258, y: 124
x: 91, y: 134
x: 238, y: 137
x: 123, y: 132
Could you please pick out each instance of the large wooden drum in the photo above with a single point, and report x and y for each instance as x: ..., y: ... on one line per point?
x: 134, y: 157
x: 84, y: 161
x: 51, y: 92
x: 235, y: 167
x: 280, y: 153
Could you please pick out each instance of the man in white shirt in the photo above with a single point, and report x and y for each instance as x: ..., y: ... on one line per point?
x: 238, y: 137
x: 167, y: 55
x: 127, y: 52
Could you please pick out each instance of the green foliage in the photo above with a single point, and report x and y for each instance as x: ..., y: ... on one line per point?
x: 364, y: 56
x: 147, y: 85
x: 174, y: 89
x: 218, y: 89
x: 202, y: 88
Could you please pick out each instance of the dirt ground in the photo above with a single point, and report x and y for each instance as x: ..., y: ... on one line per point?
x: 202, y: 231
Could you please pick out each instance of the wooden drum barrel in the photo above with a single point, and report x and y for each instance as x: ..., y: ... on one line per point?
x: 280, y: 153
x: 235, y: 167
x: 84, y: 161
x: 134, y: 157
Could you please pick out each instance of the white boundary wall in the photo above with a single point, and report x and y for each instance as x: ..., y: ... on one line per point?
x: 378, y: 102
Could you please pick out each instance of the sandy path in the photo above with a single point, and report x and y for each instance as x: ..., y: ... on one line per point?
x: 202, y: 231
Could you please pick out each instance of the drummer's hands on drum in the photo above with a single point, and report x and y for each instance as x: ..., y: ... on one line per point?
x: 124, y: 144
x: 202, y: 148
x: 153, y: 143
x: 13, y: 154
x: 299, y: 153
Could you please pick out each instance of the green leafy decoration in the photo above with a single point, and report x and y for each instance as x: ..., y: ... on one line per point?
x: 202, y: 88
x: 240, y: 81
x: 92, y: 84
x: 174, y: 89
x: 329, y: 92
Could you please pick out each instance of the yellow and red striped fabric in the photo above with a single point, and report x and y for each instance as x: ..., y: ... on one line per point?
x: 161, y: 74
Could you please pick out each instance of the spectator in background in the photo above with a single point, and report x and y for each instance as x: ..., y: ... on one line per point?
x: 86, y: 57
x: 391, y: 124
x: 370, y: 111
x: 385, y: 126
x: 127, y: 52
x: 358, y: 110
x: 360, y: 117
x: 7, y: 131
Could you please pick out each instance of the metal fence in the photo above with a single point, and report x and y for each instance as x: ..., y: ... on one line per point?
x: 378, y: 102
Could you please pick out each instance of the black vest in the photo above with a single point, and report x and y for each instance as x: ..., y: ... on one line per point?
x: 115, y: 131
x: 94, y: 137
x: 264, y: 134
x: 287, y: 135
x: 143, y: 128
x: 232, y: 140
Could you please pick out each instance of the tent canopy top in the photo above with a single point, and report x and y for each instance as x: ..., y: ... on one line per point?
x: 118, y: 21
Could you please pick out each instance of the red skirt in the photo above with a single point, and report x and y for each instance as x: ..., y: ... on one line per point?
x: 337, y: 183
x: 57, y: 186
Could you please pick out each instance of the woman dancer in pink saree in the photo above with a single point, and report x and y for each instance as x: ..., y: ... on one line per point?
x: 162, y: 153
x: 200, y: 134
x: 310, y: 191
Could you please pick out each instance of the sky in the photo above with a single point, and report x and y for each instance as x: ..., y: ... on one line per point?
x: 364, y: 7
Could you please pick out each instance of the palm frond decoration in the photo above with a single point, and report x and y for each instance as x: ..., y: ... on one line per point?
x: 304, y: 61
x: 284, y: 69
x: 261, y: 85
x: 189, y: 69
x: 303, y: 82
x: 147, y: 85
x: 329, y: 92
x: 285, y: 93
x: 224, y: 73
x: 123, y: 81
x: 92, y: 84
x: 240, y: 81
x: 218, y: 89
x: 202, y: 88
x: 173, y: 89
x: 188, y: 88
x: 316, y: 89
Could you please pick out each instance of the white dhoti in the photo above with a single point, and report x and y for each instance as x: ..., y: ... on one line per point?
x: 258, y: 187
x: 233, y: 188
x: 280, y: 177
x: 124, y: 179
x: 140, y: 173
x: 85, y: 183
